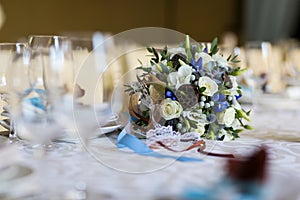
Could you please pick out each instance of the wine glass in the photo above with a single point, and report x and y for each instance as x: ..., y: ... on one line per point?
x: 41, y: 83
x: 7, y: 50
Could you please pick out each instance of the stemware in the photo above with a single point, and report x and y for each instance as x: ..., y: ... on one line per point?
x: 41, y: 83
x: 7, y: 50
x: 258, y: 58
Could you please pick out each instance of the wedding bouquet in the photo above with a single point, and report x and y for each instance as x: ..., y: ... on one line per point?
x: 191, y: 88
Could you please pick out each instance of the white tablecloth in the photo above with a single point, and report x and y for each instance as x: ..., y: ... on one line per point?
x: 109, y: 173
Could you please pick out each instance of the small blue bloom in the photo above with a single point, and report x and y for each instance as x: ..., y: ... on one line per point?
x: 197, y: 65
x: 170, y: 94
x: 218, y: 97
x: 205, y: 50
x: 220, y: 106
x: 215, y: 97
x: 238, y: 96
x: 222, y: 97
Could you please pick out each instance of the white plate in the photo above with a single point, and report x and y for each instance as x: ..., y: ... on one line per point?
x: 71, y: 136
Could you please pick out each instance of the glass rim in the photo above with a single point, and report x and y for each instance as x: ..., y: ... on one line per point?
x: 13, y: 43
x: 46, y: 36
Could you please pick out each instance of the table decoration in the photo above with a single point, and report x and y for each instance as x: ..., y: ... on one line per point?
x: 192, y: 90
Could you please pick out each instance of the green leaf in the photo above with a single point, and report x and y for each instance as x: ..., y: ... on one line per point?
x: 156, y: 55
x: 248, y: 113
x: 214, y: 46
x: 228, y: 57
x: 237, y: 131
x: 214, y: 51
x: 202, y: 89
x: 187, y: 124
x: 140, y: 62
x: 235, y: 135
x: 234, y: 57
x: 145, y: 69
x: 149, y: 49
x: 164, y: 54
x: 188, y: 48
x: 235, y: 61
x: 242, y: 114
x: 248, y: 127
x: 193, y: 124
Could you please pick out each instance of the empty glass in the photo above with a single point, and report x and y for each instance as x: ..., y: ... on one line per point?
x: 7, y: 51
x: 41, y: 84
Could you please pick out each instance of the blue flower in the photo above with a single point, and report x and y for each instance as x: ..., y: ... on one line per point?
x: 170, y: 94
x: 220, y: 102
x: 220, y: 106
x: 218, y: 97
x: 198, y: 64
x: 238, y: 96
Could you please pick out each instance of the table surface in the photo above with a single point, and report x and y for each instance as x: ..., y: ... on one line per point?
x: 104, y: 172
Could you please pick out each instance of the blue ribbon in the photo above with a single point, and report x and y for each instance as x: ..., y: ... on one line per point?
x: 130, y: 141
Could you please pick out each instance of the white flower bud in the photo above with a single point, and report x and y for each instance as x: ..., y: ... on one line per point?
x: 202, y: 104
x: 207, y: 105
x: 193, y: 77
x: 179, y: 126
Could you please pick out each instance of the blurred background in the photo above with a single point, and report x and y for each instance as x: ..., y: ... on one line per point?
x: 271, y: 20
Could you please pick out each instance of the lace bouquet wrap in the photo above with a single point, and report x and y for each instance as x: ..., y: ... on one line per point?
x: 192, y: 89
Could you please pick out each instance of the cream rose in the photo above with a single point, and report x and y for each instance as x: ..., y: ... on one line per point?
x: 209, y: 84
x: 170, y: 109
x: 182, y: 76
x: 200, y: 129
x: 220, y: 60
x: 206, y: 58
x: 226, y: 117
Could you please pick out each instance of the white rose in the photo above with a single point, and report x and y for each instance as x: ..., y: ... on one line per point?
x: 226, y: 117
x: 236, y: 124
x: 220, y: 60
x: 183, y: 76
x: 209, y: 84
x: 170, y: 109
x: 200, y: 129
x: 173, y: 78
x: 206, y: 58
x: 185, y: 70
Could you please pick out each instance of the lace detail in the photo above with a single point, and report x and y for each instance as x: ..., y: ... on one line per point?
x: 164, y: 134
